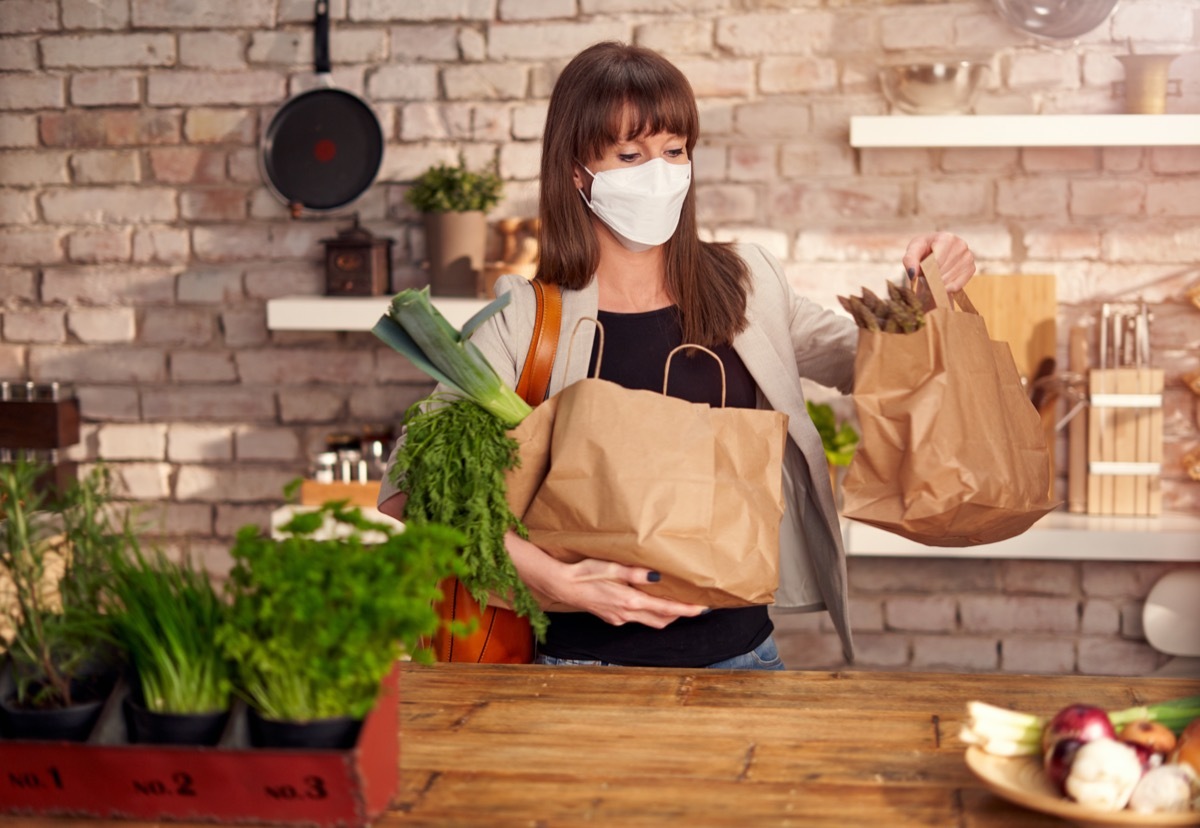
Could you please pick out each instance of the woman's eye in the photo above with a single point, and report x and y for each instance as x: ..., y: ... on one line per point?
x: 626, y: 157
x: 675, y: 153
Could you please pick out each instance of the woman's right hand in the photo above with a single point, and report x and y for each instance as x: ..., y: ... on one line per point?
x: 608, y: 590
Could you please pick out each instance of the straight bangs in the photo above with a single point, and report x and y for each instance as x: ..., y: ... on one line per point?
x: 605, y: 89
x: 644, y: 93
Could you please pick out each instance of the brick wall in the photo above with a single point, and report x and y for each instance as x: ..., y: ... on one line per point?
x: 138, y: 244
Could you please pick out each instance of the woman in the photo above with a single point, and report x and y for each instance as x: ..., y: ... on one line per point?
x: 619, y: 236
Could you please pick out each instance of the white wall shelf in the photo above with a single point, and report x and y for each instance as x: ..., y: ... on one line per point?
x: 1024, y: 130
x: 1173, y: 537
x: 353, y: 313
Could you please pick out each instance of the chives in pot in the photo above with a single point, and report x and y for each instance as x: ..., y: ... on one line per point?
x: 166, y: 616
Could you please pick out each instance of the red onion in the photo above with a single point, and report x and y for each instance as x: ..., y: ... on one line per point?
x: 1084, y: 722
x: 1057, y: 762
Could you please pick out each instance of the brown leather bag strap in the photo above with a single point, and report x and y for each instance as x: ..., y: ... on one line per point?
x: 535, y: 376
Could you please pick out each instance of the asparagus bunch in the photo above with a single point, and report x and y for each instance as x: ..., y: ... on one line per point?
x: 901, y: 312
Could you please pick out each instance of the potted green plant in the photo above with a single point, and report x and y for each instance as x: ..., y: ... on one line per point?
x: 319, y: 616
x: 454, y: 202
x: 839, y: 440
x: 62, y: 658
x: 166, y: 615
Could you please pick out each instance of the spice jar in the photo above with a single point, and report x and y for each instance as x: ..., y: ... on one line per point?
x: 326, y: 467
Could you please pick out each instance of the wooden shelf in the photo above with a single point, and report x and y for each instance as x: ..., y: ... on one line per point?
x: 353, y: 313
x: 1058, y: 536
x: 1024, y: 130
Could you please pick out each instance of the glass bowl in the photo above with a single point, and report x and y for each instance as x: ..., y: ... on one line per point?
x: 1055, y: 19
x: 933, y: 88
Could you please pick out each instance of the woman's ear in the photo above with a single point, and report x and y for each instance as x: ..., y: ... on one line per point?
x: 577, y: 176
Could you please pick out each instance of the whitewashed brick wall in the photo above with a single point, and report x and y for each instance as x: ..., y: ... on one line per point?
x: 138, y: 243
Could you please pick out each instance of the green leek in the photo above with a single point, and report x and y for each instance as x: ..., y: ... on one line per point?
x: 457, y: 449
x: 415, y: 328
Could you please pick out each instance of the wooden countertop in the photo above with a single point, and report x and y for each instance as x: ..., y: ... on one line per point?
x: 518, y: 745
x: 521, y: 745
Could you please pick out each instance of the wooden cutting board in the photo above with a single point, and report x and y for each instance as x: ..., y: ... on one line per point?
x: 313, y: 493
x: 1020, y: 309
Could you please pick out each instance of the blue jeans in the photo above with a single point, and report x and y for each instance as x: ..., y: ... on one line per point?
x: 763, y: 657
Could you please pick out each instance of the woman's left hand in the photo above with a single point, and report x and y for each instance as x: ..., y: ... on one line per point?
x: 955, y: 259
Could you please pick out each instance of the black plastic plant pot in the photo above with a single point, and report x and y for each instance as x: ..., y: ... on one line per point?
x: 58, y: 724
x: 319, y: 734
x: 145, y: 726
x: 62, y: 724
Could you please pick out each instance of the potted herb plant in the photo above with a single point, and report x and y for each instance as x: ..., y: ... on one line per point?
x: 54, y: 552
x: 454, y: 202
x: 319, y: 616
x: 166, y: 615
x: 838, y: 439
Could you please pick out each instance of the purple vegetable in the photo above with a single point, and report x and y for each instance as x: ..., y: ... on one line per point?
x: 1084, y: 722
x: 1057, y: 762
x: 1146, y: 755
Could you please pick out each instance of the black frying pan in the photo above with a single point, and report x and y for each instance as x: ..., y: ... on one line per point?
x: 323, y: 147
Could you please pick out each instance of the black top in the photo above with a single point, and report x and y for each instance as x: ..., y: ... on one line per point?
x: 635, y: 351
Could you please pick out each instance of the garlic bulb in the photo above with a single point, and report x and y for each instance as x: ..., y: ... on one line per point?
x: 1104, y: 774
x: 1166, y: 789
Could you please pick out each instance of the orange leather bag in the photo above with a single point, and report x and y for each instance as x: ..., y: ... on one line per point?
x: 502, y: 636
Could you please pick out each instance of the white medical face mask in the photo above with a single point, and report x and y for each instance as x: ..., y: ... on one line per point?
x: 641, y: 204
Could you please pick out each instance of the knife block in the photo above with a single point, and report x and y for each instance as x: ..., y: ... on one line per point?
x: 42, y: 425
x: 1125, y: 453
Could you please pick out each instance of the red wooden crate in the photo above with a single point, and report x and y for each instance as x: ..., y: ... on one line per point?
x: 106, y: 777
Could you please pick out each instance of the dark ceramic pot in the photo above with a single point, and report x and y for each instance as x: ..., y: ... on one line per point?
x: 58, y: 724
x: 319, y: 734
x: 145, y: 726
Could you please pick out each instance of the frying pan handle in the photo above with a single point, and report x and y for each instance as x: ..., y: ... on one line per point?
x: 321, y: 38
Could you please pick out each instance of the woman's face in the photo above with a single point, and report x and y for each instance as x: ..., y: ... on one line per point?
x: 631, y: 152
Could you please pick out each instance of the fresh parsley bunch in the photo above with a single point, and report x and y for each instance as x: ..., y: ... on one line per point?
x: 319, y: 616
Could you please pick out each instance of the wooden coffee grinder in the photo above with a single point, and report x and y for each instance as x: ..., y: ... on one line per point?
x: 357, y: 263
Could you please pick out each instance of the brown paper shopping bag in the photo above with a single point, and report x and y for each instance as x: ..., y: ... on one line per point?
x: 644, y: 479
x: 952, y: 451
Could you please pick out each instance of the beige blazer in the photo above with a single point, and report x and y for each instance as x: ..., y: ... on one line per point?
x: 786, y: 338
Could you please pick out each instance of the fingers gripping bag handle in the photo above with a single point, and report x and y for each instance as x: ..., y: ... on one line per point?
x: 931, y: 276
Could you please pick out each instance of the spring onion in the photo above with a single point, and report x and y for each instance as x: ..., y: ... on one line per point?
x: 1004, y: 732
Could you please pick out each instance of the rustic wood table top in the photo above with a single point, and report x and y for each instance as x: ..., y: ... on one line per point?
x: 524, y: 745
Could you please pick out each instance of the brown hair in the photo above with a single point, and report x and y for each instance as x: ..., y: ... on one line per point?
x: 708, y: 281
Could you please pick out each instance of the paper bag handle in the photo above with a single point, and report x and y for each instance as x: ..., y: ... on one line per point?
x: 571, y: 343
x: 941, y: 298
x: 677, y: 349
x: 666, y: 367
